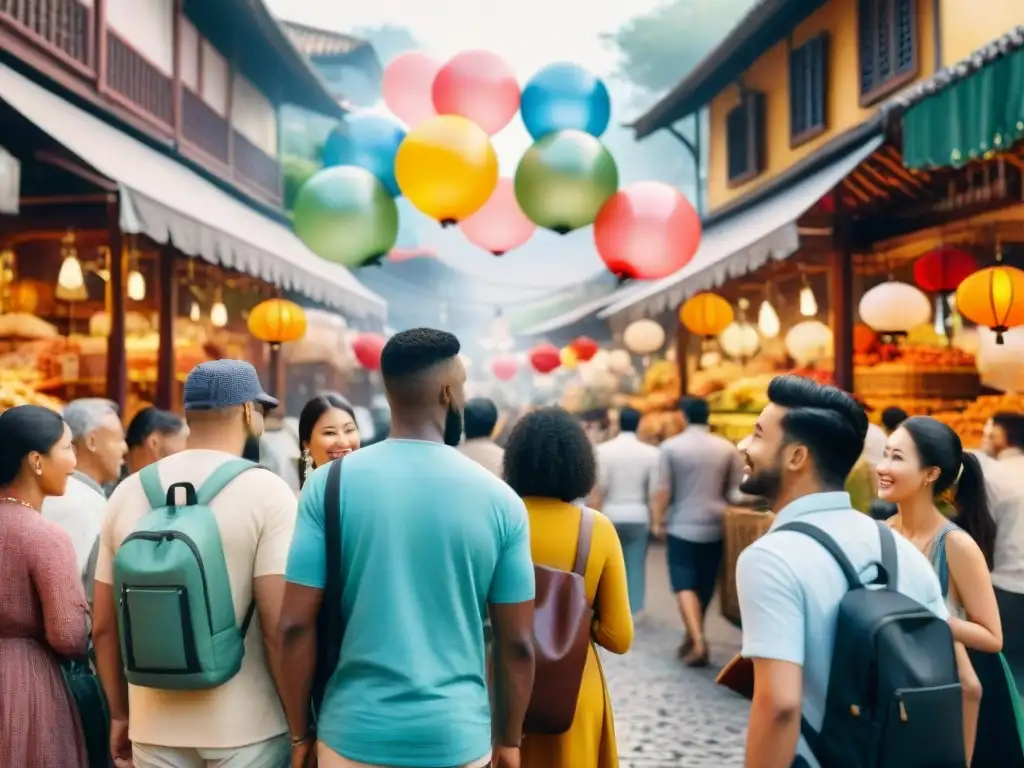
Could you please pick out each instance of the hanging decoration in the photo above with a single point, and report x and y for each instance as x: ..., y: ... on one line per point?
x: 993, y: 298
x: 544, y: 358
x: 504, y: 367
x: 941, y: 271
x: 368, y: 348
x: 740, y: 340
x: 585, y: 348
x: 500, y: 226
x: 345, y: 215
x: 408, y: 87
x: 893, y: 308
x: 808, y: 301
x: 768, y: 322
x: 567, y: 357
x: 368, y: 141
x: 479, y: 86
x: 277, y: 321
x: 646, y: 231
x: 218, y: 310
x: 563, y: 96
x: 706, y: 314
x: 447, y: 168
x: 809, y: 342
x: 563, y: 180
x: 643, y: 337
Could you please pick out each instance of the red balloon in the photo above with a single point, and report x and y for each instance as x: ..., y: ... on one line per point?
x: 646, y: 231
x: 479, y: 86
x: 500, y: 225
x: 504, y: 368
x: 942, y: 270
x: 585, y: 348
x: 407, y: 86
x: 368, y: 348
x: 545, y: 358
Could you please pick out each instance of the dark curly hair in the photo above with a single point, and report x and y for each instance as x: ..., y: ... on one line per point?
x: 548, y: 455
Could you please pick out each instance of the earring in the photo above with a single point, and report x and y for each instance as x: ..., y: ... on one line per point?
x: 307, y: 460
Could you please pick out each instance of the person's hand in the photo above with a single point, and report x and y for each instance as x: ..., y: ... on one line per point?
x: 658, y: 529
x: 120, y: 745
x: 505, y: 757
x: 304, y: 755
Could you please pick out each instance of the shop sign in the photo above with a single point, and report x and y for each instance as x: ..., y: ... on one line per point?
x: 10, y: 182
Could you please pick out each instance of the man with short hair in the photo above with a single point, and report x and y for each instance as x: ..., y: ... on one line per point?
x: 803, y: 445
x: 154, y: 434
x: 596, y: 424
x: 428, y: 537
x: 480, y: 419
x: 240, y: 722
x: 1003, y: 435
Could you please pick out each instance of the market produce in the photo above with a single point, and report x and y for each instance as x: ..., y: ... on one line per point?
x: 16, y: 389
x: 658, y: 401
x: 916, y: 356
x: 970, y: 422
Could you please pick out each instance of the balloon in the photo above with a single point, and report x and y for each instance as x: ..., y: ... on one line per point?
x: 478, y: 86
x: 567, y: 356
x: 504, y: 368
x: 345, y: 215
x: 447, y: 168
x: 367, y: 141
x: 545, y: 358
x: 647, y: 230
x: 563, y: 96
x: 585, y: 348
x: 564, y: 179
x: 407, y: 85
x: 368, y: 348
x: 500, y: 225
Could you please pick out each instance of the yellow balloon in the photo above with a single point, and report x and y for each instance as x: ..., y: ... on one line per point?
x: 447, y: 168
x: 569, y: 358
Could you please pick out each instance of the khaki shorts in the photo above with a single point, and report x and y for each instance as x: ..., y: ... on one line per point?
x: 328, y: 758
x: 273, y: 753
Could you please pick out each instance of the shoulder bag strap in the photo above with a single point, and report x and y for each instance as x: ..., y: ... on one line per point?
x: 586, y: 535
x: 830, y: 545
x: 329, y: 621
x: 221, y: 477
x: 890, y: 559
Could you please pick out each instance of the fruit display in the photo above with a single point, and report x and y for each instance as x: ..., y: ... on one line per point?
x: 16, y: 388
x: 915, y: 356
x: 658, y: 401
x: 970, y: 422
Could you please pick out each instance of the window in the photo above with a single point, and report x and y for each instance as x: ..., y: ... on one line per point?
x: 744, y: 127
x: 808, y: 84
x: 888, y: 47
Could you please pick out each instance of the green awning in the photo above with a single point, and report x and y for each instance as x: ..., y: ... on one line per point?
x: 974, y: 117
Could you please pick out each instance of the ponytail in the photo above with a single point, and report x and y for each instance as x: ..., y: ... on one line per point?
x: 972, y: 506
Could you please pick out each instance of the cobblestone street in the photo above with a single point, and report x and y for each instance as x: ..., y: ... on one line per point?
x: 668, y: 716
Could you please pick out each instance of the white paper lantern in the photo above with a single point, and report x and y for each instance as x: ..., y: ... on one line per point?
x: 894, y: 307
x: 643, y: 337
x: 1001, y: 366
x: 740, y: 339
x: 809, y: 342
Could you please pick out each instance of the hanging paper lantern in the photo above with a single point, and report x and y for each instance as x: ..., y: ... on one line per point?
x: 646, y: 231
x: 864, y: 339
x: 500, y: 225
x: 585, y: 348
x: 345, y: 215
x: 643, y: 337
x: 408, y: 87
x: 563, y: 180
x: 368, y: 347
x: 567, y: 357
x: 740, y: 339
x: 479, y: 86
x: 564, y: 96
x: 545, y: 358
x: 894, y: 308
x: 706, y: 314
x: 809, y: 342
x: 277, y: 321
x: 367, y: 141
x: 504, y: 367
x: 447, y: 168
x: 942, y: 270
x: 993, y: 298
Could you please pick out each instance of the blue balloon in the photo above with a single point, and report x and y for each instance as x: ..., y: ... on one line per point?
x: 565, y: 96
x: 367, y: 141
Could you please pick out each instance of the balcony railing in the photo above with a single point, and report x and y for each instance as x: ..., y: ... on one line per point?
x: 256, y: 168
x: 64, y: 27
x: 131, y: 77
x: 203, y: 128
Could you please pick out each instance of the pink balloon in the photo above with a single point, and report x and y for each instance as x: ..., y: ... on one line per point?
x: 647, y: 230
x: 500, y: 225
x: 504, y: 368
x: 479, y: 86
x: 407, y: 86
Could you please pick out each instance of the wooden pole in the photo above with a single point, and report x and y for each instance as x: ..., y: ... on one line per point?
x: 841, y: 297
x: 117, y: 363
x: 167, y: 298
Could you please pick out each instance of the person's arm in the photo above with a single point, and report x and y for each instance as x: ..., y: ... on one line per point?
x: 55, y: 576
x: 969, y: 575
x: 771, y: 603
x: 613, y: 622
x: 661, y: 495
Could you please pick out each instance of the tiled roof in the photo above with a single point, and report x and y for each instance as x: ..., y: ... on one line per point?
x: 320, y: 42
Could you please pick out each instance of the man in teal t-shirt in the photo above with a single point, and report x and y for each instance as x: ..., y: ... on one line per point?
x: 430, y: 542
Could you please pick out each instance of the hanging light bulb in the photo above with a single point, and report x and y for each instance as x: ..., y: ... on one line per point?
x: 710, y: 359
x: 136, y: 286
x: 194, y: 312
x: 70, y: 277
x: 768, y: 320
x: 218, y: 312
x: 808, y: 302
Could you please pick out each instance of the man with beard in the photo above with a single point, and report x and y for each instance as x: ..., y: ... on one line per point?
x: 804, y: 444
x: 428, y: 536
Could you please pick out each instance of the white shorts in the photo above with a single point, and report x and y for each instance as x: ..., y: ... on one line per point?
x: 273, y: 753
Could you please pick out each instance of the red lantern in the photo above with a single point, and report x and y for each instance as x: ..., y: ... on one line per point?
x: 368, y: 348
x: 545, y: 358
x: 942, y: 270
x: 504, y: 368
x: 585, y: 348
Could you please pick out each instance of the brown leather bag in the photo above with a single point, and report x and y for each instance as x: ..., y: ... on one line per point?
x: 561, y: 638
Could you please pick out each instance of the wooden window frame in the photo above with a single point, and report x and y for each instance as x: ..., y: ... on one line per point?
x: 796, y: 138
x: 754, y: 104
x: 879, y: 90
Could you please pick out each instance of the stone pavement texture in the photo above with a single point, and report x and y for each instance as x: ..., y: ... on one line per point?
x: 666, y: 715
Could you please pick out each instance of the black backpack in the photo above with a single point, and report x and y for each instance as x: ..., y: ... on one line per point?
x: 894, y: 698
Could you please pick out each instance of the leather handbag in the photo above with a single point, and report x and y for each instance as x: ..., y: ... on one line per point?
x: 561, y: 638
x: 330, y: 626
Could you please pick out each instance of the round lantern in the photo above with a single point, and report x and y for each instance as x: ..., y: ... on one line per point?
x: 993, y: 298
x: 706, y: 314
x: 368, y: 347
x: 642, y: 337
x: 942, y: 270
x: 740, y: 339
x: 568, y: 358
x: 585, y: 348
x: 1001, y: 365
x: 277, y: 321
x: 894, y: 308
x: 545, y: 358
x: 504, y: 368
x: 809, y: 342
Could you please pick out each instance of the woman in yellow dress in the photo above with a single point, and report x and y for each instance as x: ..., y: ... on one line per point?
x: 550, y: 463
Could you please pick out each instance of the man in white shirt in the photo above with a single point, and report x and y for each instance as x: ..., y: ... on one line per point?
x: 479, y: 420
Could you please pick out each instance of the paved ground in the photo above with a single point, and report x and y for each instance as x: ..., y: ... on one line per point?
x: 668, y: 716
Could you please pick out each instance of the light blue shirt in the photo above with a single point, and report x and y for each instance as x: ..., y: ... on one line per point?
x: 790, y: 588
x: 429, y: 539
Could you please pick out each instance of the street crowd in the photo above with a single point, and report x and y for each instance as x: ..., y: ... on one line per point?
x: 436, y: 600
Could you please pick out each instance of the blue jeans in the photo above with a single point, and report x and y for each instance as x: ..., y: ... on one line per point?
x: 634, y: 538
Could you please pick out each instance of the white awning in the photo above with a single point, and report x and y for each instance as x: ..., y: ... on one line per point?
x: 581, y: 312
x: 740, y: 244
x: 168, y: 202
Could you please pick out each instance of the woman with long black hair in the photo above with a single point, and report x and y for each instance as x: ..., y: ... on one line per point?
x: 327, y: 431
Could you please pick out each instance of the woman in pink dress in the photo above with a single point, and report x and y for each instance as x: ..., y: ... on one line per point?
x: 43, y: 611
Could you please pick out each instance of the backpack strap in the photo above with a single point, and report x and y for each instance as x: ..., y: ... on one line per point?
x: 220, y: 478
x: 890, y: 560
x: 826, y: 541
x: 150, y: 478
x: 586, y: 535
x: 330, y: 623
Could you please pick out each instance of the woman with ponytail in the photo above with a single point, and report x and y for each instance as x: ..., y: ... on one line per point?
x: 327, y: 431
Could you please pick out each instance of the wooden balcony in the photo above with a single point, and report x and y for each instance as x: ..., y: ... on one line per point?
x: 133, y: 80
x: 203, y: 128
x: 64, y: 28
x: 256, y: 169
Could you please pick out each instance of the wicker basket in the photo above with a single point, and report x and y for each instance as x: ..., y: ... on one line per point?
x: 742, y: 528
x: 893, y: 380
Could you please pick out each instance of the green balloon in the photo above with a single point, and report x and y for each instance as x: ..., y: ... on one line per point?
x: 564, y: 179
x: 345, y: 215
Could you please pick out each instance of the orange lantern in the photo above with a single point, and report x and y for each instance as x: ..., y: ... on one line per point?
x: 706, y: 314
x: 993, y: 298
x: 277, y: 321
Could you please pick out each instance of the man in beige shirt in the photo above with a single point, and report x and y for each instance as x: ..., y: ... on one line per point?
x: 479, y: 421
x: 242, y: 721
